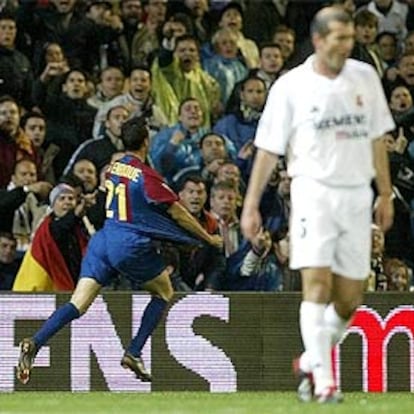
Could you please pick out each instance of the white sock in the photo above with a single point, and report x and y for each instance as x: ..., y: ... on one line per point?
x: 316, y: 337
x: 336, y: 324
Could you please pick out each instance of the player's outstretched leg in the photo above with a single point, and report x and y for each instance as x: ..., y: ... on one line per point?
x: 162, y: 291
x: 28, y: 351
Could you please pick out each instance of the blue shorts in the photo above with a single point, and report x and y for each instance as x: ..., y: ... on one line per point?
x: 113, y: 251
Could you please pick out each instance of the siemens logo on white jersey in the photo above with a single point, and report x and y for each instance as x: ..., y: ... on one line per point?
x: 345, y: 120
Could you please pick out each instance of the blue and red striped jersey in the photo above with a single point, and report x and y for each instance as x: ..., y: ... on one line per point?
x: 138, y: 197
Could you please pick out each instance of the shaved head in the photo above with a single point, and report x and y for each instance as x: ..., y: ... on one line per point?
x: 320, y: 23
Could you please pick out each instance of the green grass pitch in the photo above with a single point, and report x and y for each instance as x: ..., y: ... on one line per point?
x: 198, y: 403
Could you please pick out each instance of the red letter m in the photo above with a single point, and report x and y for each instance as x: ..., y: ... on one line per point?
x: 376, y: 334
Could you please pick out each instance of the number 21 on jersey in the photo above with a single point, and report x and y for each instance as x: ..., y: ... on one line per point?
x: 116, y: 193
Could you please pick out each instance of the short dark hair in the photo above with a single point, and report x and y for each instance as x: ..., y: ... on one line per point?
x: 268, y: 45
x: 364, y: 18
x: 320, y: 22
x: 142, y: 68
x: 7, y: 235
x: 108, y: 114
x: 250, y: 78
x: 30, y: 114
x: 187, y: 38
x: 184, y: 101
x: 209, y: 134
x: 192, y: 178
x: 73, y: 180
x: 387, y: 33
x: 134, y: 133
x: 7, y: 15
x: 222, y: 185
x: 8, y: 98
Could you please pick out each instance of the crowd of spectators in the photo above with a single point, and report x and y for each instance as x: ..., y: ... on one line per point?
x: 73, y: 71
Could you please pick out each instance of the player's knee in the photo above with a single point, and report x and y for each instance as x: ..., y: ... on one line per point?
x: 82, y: 308
x: 346, y: 309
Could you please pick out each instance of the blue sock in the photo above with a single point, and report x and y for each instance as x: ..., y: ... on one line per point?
x: 59, y: 318
x: 149, y: 322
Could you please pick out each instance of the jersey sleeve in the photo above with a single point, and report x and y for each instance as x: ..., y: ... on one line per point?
x: 273, y: 131
x: 157, y: 191
x: 381, y: 120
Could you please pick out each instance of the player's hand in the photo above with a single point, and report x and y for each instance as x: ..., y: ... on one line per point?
x: 384, y: 212
x: 251, y: 222
x: 216, y: 241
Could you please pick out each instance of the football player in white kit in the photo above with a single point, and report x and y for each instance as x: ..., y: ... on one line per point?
x: 327, y: 116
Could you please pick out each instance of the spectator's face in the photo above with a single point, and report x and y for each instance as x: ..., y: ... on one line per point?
x: 231, y: 19
x: 271, y: 60
x: 97, y: 13
x: 406, y: 66
x: 284, y: 184
x: 112, y: 82
x: 7, y: 250
x: 226, y: 45
x: 191, y: 115
x: 7, y: 33
x: 156, y: 10
x: 187, y: 54
x: 366, y: 33
x: 197, y: 7
x: 387, y: 47
x: 399, y: 278
x: 377, y: 241
x: 409, y: 44
x: 230, y: 173
x: 334, y: 48
x: 213, y: 148
x: 286, y: 42
x: 389, y: 142
x: 224, y: 203
x: 54, y: 54
x: 64, y: 6
x: 35, y: 130
x: 64, y: 203
x: 193, y: 197
x: 253, y: 94
x: 131, y: 11
x: 25, y: 173
x: 383, y: 3
x: 140, y: 84
x: 401, y: 99
x: 75, y: 86
x: 9, y: 117
x: 116, y: 119
x: 86, y: 171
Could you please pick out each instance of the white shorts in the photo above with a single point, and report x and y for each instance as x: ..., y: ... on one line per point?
x: 331, y: 227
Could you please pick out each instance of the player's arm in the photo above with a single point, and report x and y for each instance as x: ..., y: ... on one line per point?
x: 264, y: 163
x: 384, y: 208
x: 184, y: 218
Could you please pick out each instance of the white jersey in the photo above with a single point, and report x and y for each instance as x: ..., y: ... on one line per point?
x: 325, y: 126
